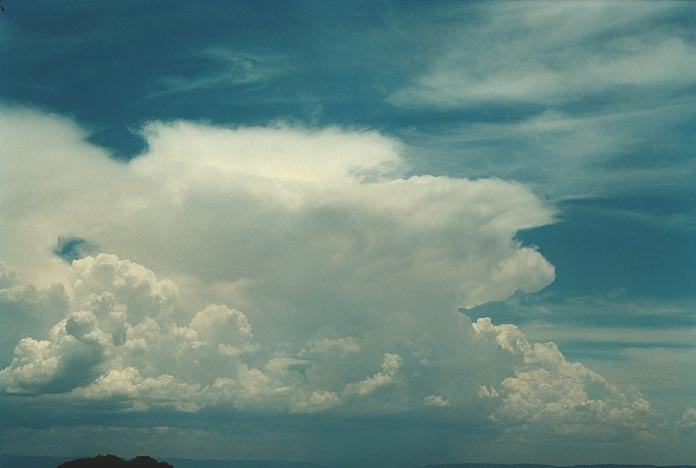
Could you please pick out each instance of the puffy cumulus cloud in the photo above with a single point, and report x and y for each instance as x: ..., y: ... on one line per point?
x: 551, y: 393
x: 309, y: 273
x: 26, y: 310
x: 215, y: 322
x: 67, y: 359
x: 436, y: 401
x: 108, y: 279
x: 142, y: 393
x: 121, y: 343
x: 485, y: 392
x: 391, y: 365
x: 105, y: 351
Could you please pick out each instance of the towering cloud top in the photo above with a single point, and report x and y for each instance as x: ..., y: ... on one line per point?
x: 309, y: 272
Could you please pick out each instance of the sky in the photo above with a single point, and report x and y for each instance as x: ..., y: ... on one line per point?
x: 380, y: 233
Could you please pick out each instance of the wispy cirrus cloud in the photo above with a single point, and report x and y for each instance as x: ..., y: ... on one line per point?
x: 544, y: 53
x: 568, y: 153
x: 219, y: 67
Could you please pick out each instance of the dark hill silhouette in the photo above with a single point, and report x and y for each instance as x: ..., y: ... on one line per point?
x: 112, y: 461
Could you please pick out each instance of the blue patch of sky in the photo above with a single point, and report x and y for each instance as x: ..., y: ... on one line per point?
x: 596, y: 250
x: 69, y: 248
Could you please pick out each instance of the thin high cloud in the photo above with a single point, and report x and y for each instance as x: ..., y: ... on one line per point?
x: 611, y: 153
x: 541, y: 53
x: 220, y: 67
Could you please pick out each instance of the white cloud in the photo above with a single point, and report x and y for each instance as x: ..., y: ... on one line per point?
x: 436, y: 401
x: 532, y: 52
x: 220, y: 67
x: 485, y: 392
x: 344, y: 346
x: 68, y: 359
x: 215, y: 322
x: 303, y: 259
x: 106, y: 278
x: 321, y: 400
x: 558, y: 395
x: 263, y: 207
x: 574, y: 155
x: 390, y: 366
x: 143, y: 359
x: 142, y: 392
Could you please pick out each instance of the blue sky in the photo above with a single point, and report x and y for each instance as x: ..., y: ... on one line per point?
x: 319, y: 203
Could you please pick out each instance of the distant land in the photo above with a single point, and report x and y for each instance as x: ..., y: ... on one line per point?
x: 112, y: 461
x: 21, y: 461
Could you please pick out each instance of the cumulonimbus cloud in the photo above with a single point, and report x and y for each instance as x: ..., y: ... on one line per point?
x: 308, y: 272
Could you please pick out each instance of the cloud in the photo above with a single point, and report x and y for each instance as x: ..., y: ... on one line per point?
x: 262, y: 207
x: 298, y: 271
x: 530, y: 53
x: 67, y: 359
x: 217, y: 67
x: 121, y: 345
x: 102, y: 281
x: 436, y: 401
x: 576, y: 154
x: 688, y: 420
x: 143, y: 393
x: 558, y: 395
x: 26, y: 310
x: 391, y: 365
x: 344, y: 346
x: 485, y: 392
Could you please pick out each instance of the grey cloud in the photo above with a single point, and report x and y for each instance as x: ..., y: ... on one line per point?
x: 26, y: 310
